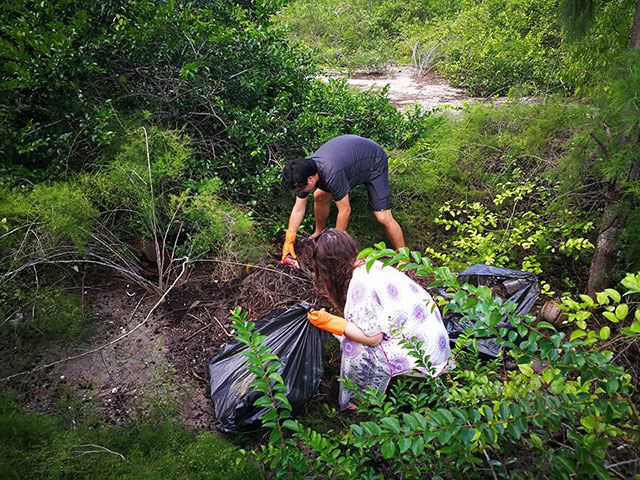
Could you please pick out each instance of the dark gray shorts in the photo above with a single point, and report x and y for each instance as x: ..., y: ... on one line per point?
x: 378, y: 188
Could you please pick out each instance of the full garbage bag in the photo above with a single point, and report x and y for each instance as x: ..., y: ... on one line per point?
x: 298, y: 344
x: 519, y: 287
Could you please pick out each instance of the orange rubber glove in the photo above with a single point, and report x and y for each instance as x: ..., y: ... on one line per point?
x: 287, y: 248
x: 324, y: 320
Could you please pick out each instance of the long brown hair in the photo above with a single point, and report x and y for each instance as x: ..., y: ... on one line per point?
x: 334, y: 252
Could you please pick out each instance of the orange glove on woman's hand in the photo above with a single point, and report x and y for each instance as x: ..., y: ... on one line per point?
x: 324, y: 320
x: 287, y: 248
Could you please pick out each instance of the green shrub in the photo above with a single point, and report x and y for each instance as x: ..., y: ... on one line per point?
x: 498, y: 44
x: 463, y: 157
x: 58, y: 214
x: 590, y: 58
x: 342, y: 34
x: 517, y: 230
x: 477, y: 421
x: 217, y: 68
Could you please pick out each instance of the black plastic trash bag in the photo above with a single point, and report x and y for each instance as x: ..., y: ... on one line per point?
x: 298, y: 344
x: 519, y: 287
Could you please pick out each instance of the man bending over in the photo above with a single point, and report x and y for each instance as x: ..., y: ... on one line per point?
x: 333, y: 170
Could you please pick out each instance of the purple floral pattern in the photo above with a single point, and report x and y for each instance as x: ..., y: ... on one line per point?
x: 376, y: 298
x: 358, y: 292
x: 399, y: 365
x: 419, y: 313
x: 400, y: 320
x: 443, y: 343
x: 349, y: 348
x: 393, y: 291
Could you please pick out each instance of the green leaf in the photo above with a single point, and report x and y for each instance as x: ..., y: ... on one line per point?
x: 605, y: 332
x: 602, y: 298
x: 536, y: 440
x: 391, y: 423
x: 611, y: 317
x: 292, y: 425
x: 587, y: 300
x: 577, y: 334
x: 613, y: 294
x: 488, y: 413
x: 589, y: 422
x: 404, y: 443
x: 621, y: 311
x: 489, y: 435
x: 546, y: 325
x: 275, y: 437
x: 467, y: 435
x: 275, y: 377
x: 417, y: 447
x: 388, y: 449
x: 514, y: 429
x: 526, y: 369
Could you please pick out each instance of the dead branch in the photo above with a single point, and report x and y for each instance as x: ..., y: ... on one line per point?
x: 99, y: 449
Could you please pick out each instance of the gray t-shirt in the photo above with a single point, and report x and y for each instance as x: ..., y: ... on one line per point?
x: 347, y: 161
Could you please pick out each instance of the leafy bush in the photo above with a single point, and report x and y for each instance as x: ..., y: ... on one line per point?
x: 498, y: 44
x: 342, y: 34
x: 603, y: 159
x: 516, y: 231
x: 463, y: 158
x: 576, y: 417
x: 58, y: 214
x: 589, y: 58
x: 215, y: 67
x: 139, y: 215
x: 36, y: 446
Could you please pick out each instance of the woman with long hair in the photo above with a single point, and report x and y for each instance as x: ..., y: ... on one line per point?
x: 377, y: 309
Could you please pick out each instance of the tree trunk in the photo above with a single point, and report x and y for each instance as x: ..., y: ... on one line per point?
x: 635, y: 30
x: 614, y: 217
x: 604, y: 256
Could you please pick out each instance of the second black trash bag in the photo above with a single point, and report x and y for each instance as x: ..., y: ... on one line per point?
x: 519, y: 287
x: 298, y: 344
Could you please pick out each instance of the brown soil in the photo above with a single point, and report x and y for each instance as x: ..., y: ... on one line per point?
x: 164, y: 359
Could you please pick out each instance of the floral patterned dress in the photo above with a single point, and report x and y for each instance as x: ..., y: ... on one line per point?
x: 376, y: 301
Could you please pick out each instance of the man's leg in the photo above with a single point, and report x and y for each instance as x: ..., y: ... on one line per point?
x: 321, y: 206
x: 391, y: 227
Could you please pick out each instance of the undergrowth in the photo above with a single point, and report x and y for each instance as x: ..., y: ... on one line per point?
x: 38, y: 446
x: 576, y: 417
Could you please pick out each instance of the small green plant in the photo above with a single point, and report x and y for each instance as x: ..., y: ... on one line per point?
x: 517, y: 230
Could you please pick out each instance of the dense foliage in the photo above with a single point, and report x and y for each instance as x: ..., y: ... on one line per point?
x: 214, y: 67
x: 217, y: 70
x: 487, y: 47
x: 564, y: 411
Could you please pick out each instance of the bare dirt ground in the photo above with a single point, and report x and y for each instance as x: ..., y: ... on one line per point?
x: 407, y: 88
x: 164, y: 359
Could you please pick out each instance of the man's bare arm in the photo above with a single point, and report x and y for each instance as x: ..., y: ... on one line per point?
x: 297, y: 214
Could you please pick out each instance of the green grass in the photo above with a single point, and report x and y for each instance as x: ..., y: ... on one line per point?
x: 34, y: 446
